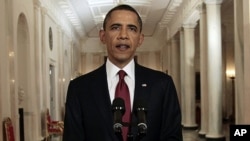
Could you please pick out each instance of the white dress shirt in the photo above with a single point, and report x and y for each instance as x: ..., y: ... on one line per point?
x: 113, y: 78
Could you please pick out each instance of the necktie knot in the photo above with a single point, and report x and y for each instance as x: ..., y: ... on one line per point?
x: 122, y: 74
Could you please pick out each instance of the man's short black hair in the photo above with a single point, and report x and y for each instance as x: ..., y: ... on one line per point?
x: 122, y: 7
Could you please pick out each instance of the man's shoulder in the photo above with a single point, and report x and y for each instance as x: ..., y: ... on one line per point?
x: 147, y: 74
x: 149, y: 71
x: 90, y: 76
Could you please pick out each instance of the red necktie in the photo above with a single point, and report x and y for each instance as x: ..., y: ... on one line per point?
x: 122, y: 91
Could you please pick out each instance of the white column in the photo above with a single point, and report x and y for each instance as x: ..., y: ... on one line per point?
x: 38, y: 48
x: 175, y: 64
x: 38, y: 68
x: 182, y: 75
x: 246, y: 27
x: 242, y: 56
x: 238, y: 34
x: 165, y: 58
x: 45, y: 61
x: 169, y: 64
x: 189, y: 78
x: 5, y: 54
x: 11, y: 95
x: 214, y: 70
x: 203, y: 70
x: 60, y: 73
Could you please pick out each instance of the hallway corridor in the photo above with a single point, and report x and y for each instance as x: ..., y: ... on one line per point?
x: 202, y: 44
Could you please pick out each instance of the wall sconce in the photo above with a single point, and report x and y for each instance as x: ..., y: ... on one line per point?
x: 11, y: 54
x: 231, y: 74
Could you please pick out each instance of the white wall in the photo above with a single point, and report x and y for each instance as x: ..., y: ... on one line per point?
x: 25, y: 58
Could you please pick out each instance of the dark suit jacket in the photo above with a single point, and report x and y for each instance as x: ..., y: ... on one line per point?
x: 89, y: 116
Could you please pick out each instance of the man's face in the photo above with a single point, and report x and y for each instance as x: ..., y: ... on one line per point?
x: 122, y: 36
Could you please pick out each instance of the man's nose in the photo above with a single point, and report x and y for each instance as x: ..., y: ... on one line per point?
x: 123, y: 34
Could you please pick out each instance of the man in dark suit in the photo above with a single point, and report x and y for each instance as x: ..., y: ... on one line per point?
x: 89, y: 114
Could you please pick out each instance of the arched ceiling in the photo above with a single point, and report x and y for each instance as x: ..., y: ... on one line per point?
x: 87, y: 15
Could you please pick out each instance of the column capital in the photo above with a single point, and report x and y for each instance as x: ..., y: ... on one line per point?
x: 189, y: 25
x: 37, y: 3
x: 201, y: 8
x: 213, y: 1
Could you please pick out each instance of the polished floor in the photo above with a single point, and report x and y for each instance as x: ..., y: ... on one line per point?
x: 193, y: 135
x: 188, y: 135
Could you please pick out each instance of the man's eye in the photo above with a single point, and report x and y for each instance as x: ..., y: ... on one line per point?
x: 133, y: 29
x: 115, y: 27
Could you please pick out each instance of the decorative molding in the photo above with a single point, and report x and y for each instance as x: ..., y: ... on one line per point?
x: 192, y: 19
x: 213, y: 1
x: 186, y: 15
x: 169, y: 14
x: 189, y: 25
x: 54, y: 12
x: 202, y: 8
x: 100, y: 8
x: 70, y: 13
x: 37, y: 3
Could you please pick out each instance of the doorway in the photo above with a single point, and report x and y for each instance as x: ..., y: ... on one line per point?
x: 52, y: 90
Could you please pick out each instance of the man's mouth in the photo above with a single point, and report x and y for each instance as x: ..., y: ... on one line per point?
x: 122, y: 46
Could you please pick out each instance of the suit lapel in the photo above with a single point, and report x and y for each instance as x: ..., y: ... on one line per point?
x: 102, y: 99
x: 142, y: 90
x: 142, y: 84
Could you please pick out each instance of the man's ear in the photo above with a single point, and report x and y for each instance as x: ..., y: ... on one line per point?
x: 141, y: 39
x: 102, y: 36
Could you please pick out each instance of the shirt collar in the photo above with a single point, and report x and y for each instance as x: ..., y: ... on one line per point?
x: 112, y: 69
